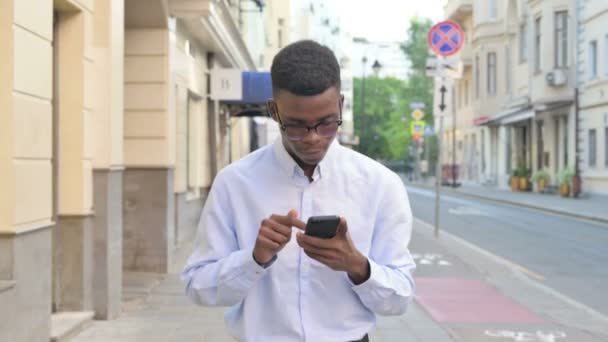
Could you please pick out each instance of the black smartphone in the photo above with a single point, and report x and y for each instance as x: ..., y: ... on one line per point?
x: 324, y: 227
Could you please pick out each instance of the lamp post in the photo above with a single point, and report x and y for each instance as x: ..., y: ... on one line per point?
x: 376, y: 67
x: 364, y: 61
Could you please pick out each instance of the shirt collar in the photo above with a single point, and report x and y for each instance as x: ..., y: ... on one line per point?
x: 290, y: 167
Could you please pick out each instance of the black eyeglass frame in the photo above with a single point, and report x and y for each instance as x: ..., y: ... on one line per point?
x: 309, y: 128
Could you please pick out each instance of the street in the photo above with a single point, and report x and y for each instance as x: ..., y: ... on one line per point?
x: 565, y: 254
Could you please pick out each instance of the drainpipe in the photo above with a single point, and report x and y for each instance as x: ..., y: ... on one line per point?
x: 576, y: 180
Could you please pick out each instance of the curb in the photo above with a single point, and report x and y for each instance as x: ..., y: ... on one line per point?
x: 592, y: 218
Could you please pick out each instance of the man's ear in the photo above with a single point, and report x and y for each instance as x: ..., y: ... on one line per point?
x: 272, y: 109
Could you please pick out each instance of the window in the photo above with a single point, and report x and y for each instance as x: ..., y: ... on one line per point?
x: 523, y: 42
x: 592, y: 148
x: 491, y: 73
x: 508, y: 69
x: 466, y: 92
x: 593, y: 59
x: 477, y: 77
x: 537, y: 42
x: 493, y: 9
x: 561, y: 39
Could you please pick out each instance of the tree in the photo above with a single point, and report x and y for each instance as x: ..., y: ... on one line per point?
x: 420, y: 86
x: 383, y: 125
x: 380, y: 128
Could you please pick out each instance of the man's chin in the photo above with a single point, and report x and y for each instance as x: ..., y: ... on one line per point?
x: 312, y: 158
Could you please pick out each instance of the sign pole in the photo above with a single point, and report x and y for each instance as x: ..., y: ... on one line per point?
x: 438, y: 176
x: 445, y: 39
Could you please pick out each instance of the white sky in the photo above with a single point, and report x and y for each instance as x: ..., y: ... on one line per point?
x: 384, y: 20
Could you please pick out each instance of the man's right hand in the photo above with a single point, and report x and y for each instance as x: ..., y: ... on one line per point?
x: 274, y: 234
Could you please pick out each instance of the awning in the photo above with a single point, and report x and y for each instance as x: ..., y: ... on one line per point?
x: 510, y: 116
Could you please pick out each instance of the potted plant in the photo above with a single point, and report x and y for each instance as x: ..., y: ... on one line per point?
x: 541, y: 178
x: 515, y: 180
x: 565, y: 179
x: 523, y: 179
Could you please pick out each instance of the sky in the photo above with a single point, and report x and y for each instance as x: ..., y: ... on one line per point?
x: 384, y: 20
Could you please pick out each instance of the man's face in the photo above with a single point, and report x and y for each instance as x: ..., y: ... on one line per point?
x: 296, y: 112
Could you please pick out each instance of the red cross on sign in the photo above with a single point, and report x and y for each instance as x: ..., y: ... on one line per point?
x: 446, y: 38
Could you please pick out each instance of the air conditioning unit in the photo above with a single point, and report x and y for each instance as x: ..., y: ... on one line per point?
x: 557, y: 78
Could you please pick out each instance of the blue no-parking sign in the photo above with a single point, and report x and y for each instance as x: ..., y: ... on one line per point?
x: 446, y: 38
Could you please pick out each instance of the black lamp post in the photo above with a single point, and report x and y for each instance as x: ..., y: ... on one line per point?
x: 376, y: 67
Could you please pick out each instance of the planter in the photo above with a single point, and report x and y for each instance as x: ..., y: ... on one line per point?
x: 523, y: 184
x: 564, y: 190
x: 514, y: 183
x: 541, y: 184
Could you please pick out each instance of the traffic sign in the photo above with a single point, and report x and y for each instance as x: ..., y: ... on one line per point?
x: 417, y: 114
x: 442, y: 67
x: 446, y: 38
x: 417, y: 127
x: 429, y: 131
x: 417, y: 105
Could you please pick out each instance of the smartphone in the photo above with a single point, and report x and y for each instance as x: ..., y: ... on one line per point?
x: 324, y: 227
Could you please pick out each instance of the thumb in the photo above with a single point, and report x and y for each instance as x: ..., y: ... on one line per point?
x: 342, y: 227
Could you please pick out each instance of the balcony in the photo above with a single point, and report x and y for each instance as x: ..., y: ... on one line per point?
x: 458, y: 9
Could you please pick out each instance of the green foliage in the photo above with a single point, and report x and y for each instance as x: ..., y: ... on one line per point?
x: 565, y: 176
x: 382, y: 118
x: 539, y: 175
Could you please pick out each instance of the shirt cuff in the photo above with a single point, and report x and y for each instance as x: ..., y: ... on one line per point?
x: 249, y: 270
x: 376, y: 279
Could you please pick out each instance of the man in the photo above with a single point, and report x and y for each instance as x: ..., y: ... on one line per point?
x: 284, y: 285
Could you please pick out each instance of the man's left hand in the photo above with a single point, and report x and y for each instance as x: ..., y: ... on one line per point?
x: 338, y: 253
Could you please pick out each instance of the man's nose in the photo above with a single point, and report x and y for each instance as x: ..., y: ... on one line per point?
x: 311, y: 137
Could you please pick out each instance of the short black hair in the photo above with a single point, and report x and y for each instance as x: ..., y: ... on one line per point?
x: 305, y: 68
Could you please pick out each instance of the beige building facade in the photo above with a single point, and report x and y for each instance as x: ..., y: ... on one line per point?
x: 593, y: 83
x: 521, y: 87
x: 109, y: 143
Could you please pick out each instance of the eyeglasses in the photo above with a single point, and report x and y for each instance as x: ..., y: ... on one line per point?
x: 325, y: 129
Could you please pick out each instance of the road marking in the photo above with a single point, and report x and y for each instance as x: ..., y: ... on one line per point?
x: 430, y: 259
x: 461, y: 211
x: 524, y: 336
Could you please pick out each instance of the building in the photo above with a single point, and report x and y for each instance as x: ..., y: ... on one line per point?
x: 592, y: 48
x: 109, y: 142
x: 515, y: 109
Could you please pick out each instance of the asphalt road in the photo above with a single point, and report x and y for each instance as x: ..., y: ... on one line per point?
x: 568, y: 255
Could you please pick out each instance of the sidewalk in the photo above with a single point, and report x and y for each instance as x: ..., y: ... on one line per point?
x: 155, y: 309
x: 588, y: 207
x: 464, y: 294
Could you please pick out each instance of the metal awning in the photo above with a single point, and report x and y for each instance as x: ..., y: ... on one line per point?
x: 511, y: 116
x: 245, y: 93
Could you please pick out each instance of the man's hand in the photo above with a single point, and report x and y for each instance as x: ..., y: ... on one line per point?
x: 274, y: 234
x: 338, y: 253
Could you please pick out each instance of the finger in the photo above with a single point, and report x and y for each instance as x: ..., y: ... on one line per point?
x: 289, y: 221
x: 295, y: 222
x: 320, y: 251
x: 268, y: 244
x: 315, y: 241
x: 342, y: 227
x: 272, y: 235
x: 325, y: 261
x: 277, y: 227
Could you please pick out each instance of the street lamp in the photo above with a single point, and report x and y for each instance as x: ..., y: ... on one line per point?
x: 376, y: 67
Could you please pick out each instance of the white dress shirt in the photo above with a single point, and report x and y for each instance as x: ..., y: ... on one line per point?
x: 297, y: 298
